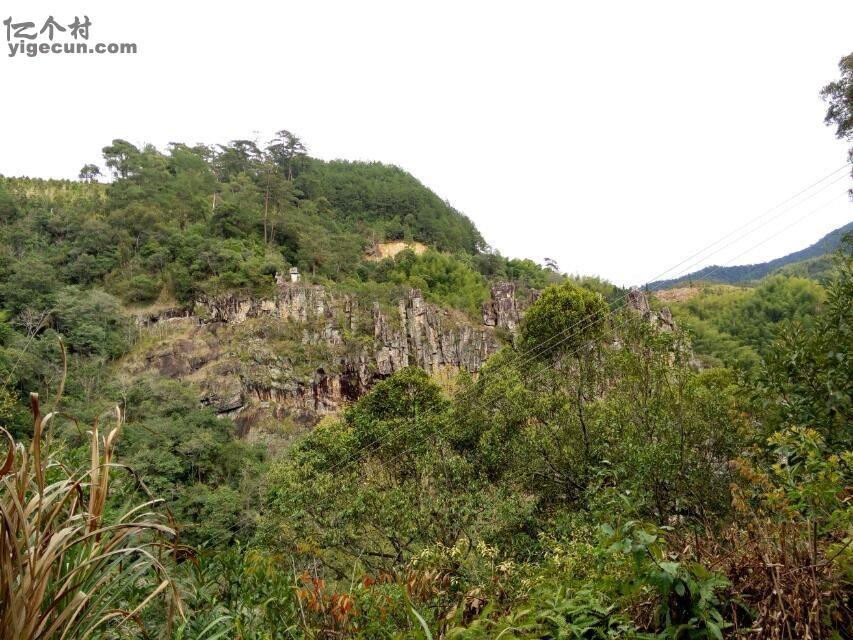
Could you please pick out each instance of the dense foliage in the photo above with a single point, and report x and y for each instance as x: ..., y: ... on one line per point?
x: 810, y: 368
x: 605, y: 491
x: 174, y: 227
x: 204, y: 219
x: 736, y: 326
x: 591, y: 482
x: 604, y: 475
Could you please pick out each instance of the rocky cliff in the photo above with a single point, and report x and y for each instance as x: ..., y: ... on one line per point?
x: 638, y: 301
x: 249, y: 356
x: 502, y: 309
x: 306, y: 351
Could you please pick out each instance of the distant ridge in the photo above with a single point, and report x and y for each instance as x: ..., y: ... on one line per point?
x: 749, y: 272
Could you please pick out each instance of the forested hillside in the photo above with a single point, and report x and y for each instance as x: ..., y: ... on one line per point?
x: 736, y: 326
x: 812, y: 261
x: 205, y: 219
x: 441, y: 443
x: 175, y: 235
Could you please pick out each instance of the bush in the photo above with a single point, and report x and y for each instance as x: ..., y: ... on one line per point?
x: 92, y: 322
x: 32, y: 283
x: 444, y: 279
x: 140, y: 288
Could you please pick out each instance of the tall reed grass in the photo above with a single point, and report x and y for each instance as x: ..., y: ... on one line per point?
x: 72, y: 563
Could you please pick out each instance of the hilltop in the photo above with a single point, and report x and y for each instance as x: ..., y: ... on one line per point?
x: 193, y: 221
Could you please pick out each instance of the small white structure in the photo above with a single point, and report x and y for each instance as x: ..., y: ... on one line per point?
x: 294, y: 274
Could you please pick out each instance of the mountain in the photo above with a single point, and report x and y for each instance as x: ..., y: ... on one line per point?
x: 273, y: 286
x: 810, y: 257
x: 330, y: 386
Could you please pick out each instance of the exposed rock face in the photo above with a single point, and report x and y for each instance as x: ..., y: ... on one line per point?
x: 502, y: 310
x: 174, y: 313
x: 296, y: 302
x: 248, y: 355
x: 422, y: 335
x: 305, y: 352
x: 638, y: 301
x: 665, y: 320
x: 427, y: 337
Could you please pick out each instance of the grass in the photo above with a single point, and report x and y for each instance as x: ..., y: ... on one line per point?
x: 71, y: 564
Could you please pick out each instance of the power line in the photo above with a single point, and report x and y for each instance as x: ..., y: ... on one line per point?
x: 611, y: 313
x: 758, y: 217
x: 354, y: 457
x: 532, y: 352
x: 613, y: 329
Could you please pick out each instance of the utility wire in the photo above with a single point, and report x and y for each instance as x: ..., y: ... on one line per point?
x: 533, y: 352
x: 353, y: 458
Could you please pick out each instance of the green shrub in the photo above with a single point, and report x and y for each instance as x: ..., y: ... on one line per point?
x: 141, y: 288
x: 92, y: 322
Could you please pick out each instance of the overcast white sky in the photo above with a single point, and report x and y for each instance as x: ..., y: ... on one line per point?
x: 616, y: 137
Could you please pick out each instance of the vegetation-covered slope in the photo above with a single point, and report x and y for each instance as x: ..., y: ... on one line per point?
x: 736, y: 326
x: 84, y: 260
x: 811, y: 261
x: 590, y: 482
x: 210, y: 219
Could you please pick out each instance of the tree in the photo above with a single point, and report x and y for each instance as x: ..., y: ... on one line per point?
x: 89, y: 172
x: 239, y: 156
x: 92, y: 321
x: 808, y: 376
x: 121, y: 157
x: 839, y: 96
x: 8, y: 206
x: 643, y: 422
x: 287, y: 150
x: 190, y: 184
x: 239, y: 209
x: 563, y: 319
x: 563, y: 327
x: 279, y: 195
x: 188, y: 456
x: 32, y: 283
x: 378, y: 486
x: 32, y: 320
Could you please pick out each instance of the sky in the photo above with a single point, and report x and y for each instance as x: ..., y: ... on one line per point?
x: 617, y: 138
